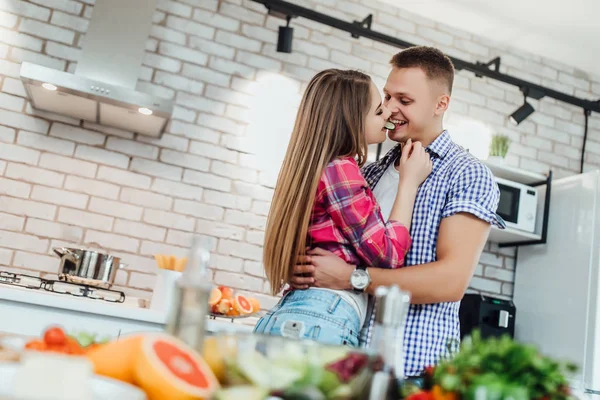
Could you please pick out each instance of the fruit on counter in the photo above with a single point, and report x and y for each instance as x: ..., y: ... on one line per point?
x: 224, y: 302
x: 162, y: 366
x: 242, y: 305
x: 166, y: 368
x: 56, y: 340
x: 117, y: 359
x: 255, y: 304
x: 223, y: 307
x: 55, y: 336
x: 226, y: 292
x: 215, y: 297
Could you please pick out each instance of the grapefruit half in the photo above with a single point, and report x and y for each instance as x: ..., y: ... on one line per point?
x: 166, y: 368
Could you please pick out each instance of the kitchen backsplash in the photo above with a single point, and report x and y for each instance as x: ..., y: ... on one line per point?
x: 63, y: 182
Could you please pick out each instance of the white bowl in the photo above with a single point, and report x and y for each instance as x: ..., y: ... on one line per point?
x: 102, y: 388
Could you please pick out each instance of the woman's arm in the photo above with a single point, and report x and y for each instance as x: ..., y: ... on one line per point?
x: 353, y: 209
x: 415, y: 166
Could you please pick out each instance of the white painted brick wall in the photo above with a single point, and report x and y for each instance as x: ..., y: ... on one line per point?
x: 85, y: 219
x: 10, y: 222
x: 139, y: 230
x: 16, y: 153
x: 36, y: 261
x: 111, y: 241
x: 14, y: 188
x: 115, y: 208
x: 42, y: 142
x: 92, y: 187
x: 76, y: 134
x: 59, y: 197
x: 21, y: 121
x: 53, y: 230
x: 146, y: 199
x: 124, y: 178
x: 46, y: 31
x: 169, y: 220
x: 66, y: 182
x: 20, y: 39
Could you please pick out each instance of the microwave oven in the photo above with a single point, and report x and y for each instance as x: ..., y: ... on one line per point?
x: 518, y: 204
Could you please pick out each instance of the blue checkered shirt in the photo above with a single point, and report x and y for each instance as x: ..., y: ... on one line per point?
x: 458, y: 183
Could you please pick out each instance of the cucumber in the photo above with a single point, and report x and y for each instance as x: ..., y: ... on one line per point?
x: 390, y: 125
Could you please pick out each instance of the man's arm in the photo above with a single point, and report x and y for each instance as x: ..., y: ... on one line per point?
x: 460, y: 242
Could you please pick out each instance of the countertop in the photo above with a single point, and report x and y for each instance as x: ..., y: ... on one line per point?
x: 128, y: 310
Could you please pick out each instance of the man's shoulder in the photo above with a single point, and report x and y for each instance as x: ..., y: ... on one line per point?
x: 461, y: 163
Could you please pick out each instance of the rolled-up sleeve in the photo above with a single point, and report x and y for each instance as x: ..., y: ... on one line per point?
x: 475, y: 192
x: 354, y: 210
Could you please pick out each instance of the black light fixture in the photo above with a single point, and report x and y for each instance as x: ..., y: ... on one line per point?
x: 526, y: 109
x: 286, y: 35
x: 522, y: 113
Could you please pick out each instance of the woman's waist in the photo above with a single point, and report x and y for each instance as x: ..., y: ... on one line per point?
x: 343, y: 303
x: 337, y: 246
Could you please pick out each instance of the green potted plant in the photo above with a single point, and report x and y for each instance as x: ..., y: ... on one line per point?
x: 498, y: 148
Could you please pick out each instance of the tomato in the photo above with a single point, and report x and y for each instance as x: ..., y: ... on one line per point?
x: 36, y: 345
x: 55, y: 337
x: 420, y: 396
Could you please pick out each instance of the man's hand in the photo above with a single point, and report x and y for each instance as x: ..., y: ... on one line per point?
x: 330, y: 272
x: 321, y: 268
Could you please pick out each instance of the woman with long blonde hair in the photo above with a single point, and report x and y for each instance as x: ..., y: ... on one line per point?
x: 321, y: 199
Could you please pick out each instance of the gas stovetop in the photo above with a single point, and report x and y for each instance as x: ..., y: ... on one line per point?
x: 60, y: 287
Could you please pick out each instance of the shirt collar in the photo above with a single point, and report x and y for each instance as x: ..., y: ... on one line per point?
x: 441, y: 145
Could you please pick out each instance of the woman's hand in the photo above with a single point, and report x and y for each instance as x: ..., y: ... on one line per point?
x: 321, y: 268
x: 415, y: 164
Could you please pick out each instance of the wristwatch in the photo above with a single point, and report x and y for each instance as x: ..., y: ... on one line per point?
x: 360, y: 279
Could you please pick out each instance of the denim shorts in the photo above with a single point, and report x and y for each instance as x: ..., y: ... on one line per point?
x: 315, y: 314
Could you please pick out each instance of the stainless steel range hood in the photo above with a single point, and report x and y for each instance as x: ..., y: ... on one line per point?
x: 103, y: 87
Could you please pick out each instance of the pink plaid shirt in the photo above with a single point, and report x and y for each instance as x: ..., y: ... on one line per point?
x: 347, y: 220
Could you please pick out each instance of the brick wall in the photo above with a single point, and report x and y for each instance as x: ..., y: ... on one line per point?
x: 66, y: 182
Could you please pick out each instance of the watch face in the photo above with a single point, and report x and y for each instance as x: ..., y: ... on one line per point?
x: 359, y: 279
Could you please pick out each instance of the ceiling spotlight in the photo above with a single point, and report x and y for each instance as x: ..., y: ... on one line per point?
x: 286, y: 34
x: 49, y: 86
x: 145, y: 111
x: 522, y: 113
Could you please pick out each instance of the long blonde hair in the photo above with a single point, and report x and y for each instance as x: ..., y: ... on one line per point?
x: 329, y: 124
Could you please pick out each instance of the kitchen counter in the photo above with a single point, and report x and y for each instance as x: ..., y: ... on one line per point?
x: 72, y: 303
x: 29, y: 312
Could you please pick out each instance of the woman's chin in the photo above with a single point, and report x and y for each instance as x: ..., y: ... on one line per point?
x: 379, y: 139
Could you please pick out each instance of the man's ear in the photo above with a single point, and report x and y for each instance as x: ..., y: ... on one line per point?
x: 442, y: 104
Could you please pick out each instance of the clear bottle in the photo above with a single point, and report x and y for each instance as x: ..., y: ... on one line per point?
x: 188, y: 315
x: 391, y: 309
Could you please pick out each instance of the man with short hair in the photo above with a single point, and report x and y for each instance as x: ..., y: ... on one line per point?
x: 453, y: 213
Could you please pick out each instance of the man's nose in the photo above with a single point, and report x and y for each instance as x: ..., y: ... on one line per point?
x: 392, y: 105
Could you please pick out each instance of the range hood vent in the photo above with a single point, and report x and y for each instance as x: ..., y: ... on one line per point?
x: 102, y: 89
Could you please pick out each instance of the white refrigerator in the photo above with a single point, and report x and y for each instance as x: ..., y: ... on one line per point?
x: 557, y: 284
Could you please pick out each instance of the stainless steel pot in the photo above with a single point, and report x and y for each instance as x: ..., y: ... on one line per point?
x: 87, y: 267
